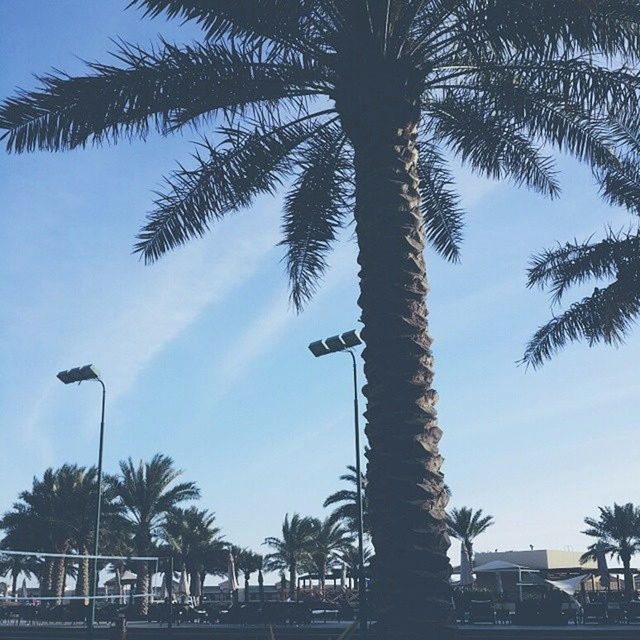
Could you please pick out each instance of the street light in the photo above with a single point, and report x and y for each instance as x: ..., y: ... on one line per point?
x: 344, y: 343
x: 81, y: 374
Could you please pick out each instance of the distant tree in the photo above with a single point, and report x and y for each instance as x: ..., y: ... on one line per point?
x: 346, y: 500
x: 292, y: 549
x: 466, y: 525
x: 350, y: 556
x: 192, y: 536
x: 147, y: 492
x: 247, y: 562
x: 328, y: 540
x: 617, y: 529
x: 16, y: 566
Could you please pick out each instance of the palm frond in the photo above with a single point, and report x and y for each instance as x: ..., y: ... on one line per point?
x: 490, y: 143
x: 574, y: 263
x: 441, y: 213
x: 314, y: 211
x: 159, y: 89
x: 604, y: 316
x: 277, y: 24
x: 227, y: 178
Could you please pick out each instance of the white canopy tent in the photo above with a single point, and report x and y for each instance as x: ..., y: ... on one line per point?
x: 499, y: 567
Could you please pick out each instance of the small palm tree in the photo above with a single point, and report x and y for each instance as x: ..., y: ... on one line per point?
x: 347, y: 500
x: 328, y: 540
x: 146, y: 493
x: 15, y: 566
x: 292, y: 549
x: 350, y: 556
x: 191, y: 536
x: 248, y: 562
x: 466, y: 525
x: 357, y: 106
x: 617, y: 531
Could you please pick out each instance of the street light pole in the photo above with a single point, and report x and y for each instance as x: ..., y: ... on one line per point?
x: 81, y: 374
x: 344, y: 343
x: 96, y: 543
x: 362, y: 580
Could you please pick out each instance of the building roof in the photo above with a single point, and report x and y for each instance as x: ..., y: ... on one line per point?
x: 536, y: 559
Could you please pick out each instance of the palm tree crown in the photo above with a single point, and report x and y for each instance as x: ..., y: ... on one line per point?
x: 347, y: 501
x: 292, y: 549
x: 147, y: 493
x: 357, y: 106
x: 466, y: 524
x: 617, y: 533
x: 328, y: 540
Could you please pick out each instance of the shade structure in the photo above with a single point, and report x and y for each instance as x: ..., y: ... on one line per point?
x: 231, y: 573
x: 603, y: 569
x: 466, y: 575
x: 121, y: 578
x: 568, y: 586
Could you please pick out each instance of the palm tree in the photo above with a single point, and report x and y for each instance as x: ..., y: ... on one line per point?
x: 328, y: 540
x: 350, y: 556
x: 617, y: 531
x: 146, y: 493
x: 466, y: 525
x: 248, y: 562
x: 292, y: 549
x: 16, y: 565
x: 358, y: 105
x: 191, y: 536
x: 347, y: 500
x: 43, y: 520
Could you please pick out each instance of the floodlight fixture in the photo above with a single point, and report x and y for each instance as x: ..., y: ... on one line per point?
x: 334, y: 344
x: 79, y: 374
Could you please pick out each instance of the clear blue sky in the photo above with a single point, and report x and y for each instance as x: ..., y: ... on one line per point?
x: 205, y: 361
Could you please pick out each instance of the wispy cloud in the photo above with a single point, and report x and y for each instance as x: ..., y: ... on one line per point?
x: 272, y: 320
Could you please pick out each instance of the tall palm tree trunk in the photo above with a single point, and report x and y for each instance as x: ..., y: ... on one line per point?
x: 82, y: 579
x: 246, y: 587
x: 405, y: 486
x: 629, y: 587
x: 57, y: 583
x: 14, y: 583
x: 292, y: 582
x: 47, y: 577
x: 142, y: 586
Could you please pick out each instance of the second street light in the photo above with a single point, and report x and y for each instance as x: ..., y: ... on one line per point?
x: 344, y: 343
x: 82, y: 374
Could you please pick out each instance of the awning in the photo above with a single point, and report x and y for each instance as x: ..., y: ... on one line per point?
x: 568, y: 586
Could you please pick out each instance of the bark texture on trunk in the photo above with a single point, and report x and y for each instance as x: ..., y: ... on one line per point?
x: 405, y: 490
x: 629, y: 591
x: 57, y: 581
x: 292, y: 582
x: 82, y: 579
x: 142, y: 586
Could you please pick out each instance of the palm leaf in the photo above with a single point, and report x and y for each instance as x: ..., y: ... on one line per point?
x: 314, y: 211
x: 227, y: 178
x: 441, y: 213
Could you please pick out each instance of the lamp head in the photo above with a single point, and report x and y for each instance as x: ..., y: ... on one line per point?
x: 79, y: 374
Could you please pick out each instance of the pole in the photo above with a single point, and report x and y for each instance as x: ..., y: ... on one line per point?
x: 170, y: 590
x: 92, y: 619
x: 362, y: 581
